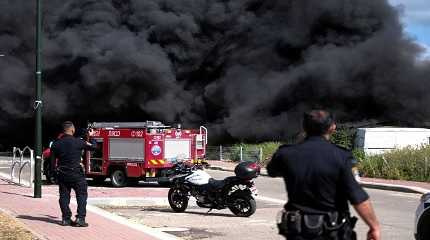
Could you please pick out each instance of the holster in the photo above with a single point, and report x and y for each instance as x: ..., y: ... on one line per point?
x: 334, y: 225
x: 290, y: 223
x: 313, y: 225
x: 346, y: 230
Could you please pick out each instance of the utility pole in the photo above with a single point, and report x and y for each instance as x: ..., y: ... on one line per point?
x: 38, y: 105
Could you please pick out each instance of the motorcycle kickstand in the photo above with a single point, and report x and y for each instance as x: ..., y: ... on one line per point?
x: 210, y: 210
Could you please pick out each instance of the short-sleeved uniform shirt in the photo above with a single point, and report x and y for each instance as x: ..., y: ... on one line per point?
x: 68, y: 150
x: 317, y: 176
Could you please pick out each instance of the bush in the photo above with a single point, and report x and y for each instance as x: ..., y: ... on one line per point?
x: 404, y: 164
x: 358, y: 154
x: 409, y: 163
x: 343, y: 137
x: 251, y: 151
x: 269, y: 148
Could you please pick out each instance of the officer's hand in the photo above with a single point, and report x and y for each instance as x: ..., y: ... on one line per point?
x: 91, y: 132
x: 53, y: 180
x: 374, y: 234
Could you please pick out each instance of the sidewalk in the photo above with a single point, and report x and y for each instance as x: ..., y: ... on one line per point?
x: 42, y: 216
x: 384, y: 184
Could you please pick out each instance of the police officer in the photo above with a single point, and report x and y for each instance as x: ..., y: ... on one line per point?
x: 320, y: 183
x: 70, y: 174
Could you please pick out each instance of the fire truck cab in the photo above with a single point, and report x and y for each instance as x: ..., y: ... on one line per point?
x: 132, y: 151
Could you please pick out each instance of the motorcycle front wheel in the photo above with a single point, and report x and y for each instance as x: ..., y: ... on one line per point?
x: 178, y: 199
x: 243, y: 206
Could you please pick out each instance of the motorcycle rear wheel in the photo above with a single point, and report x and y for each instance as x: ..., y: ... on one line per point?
x: 178, y: 199
x: 243, y: 206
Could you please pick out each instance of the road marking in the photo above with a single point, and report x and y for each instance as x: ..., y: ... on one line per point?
x: 272, y: 200
x: 257, y: 221
x: 172, y: 229
x: 139, y: 227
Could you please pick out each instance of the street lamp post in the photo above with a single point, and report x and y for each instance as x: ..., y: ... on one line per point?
x: 38, y: 105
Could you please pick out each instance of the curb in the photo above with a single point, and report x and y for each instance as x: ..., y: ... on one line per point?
x: 96, y: 205
x: 136, y: 226
x: 118, y: 202
x: 372, y: 185
x: 394, y: 187
x: 128, y: 201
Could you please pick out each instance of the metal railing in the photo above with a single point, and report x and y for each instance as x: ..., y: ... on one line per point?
x: 234, y: 153
x: 22, y: 159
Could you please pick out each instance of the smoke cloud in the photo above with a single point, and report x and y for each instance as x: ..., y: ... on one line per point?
x: 246, y: 68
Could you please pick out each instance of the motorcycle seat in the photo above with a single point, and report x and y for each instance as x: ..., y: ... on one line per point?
x: 215, y: 184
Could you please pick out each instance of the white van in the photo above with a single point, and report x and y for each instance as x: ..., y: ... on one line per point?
x: 378, y: 140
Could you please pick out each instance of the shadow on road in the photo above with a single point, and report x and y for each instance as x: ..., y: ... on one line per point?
x: 46, y: 218
x: 168, y: 210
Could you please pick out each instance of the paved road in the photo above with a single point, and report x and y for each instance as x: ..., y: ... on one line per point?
x: 395, y: 210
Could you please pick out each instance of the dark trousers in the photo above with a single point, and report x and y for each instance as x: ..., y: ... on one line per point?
x: 77, y: 182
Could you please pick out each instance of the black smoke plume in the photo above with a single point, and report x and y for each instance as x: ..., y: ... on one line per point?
x: 246, y: 68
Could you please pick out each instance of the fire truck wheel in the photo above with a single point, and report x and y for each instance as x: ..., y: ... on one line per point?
x: 118, y: 178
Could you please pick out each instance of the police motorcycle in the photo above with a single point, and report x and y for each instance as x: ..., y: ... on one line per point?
x: 422, y: 218
x: 235, y: 192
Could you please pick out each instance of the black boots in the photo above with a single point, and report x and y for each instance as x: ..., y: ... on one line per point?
x: 66, y: 222
x: 80, y: 222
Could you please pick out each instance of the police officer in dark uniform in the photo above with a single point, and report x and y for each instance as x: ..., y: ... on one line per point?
x: 70, y: 174
x: 319, y: 181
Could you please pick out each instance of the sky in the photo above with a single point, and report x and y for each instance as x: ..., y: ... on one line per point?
x: 416, y: 17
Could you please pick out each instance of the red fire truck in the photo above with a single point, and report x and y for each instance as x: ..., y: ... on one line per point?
x: 131, y: 151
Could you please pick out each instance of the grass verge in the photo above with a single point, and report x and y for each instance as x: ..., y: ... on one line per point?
x: 11, y: 229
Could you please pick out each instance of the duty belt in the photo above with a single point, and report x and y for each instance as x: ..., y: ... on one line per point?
x: 297, y: 222
x: 67, y: 169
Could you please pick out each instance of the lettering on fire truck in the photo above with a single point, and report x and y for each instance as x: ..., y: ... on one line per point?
x: 114, y: 133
